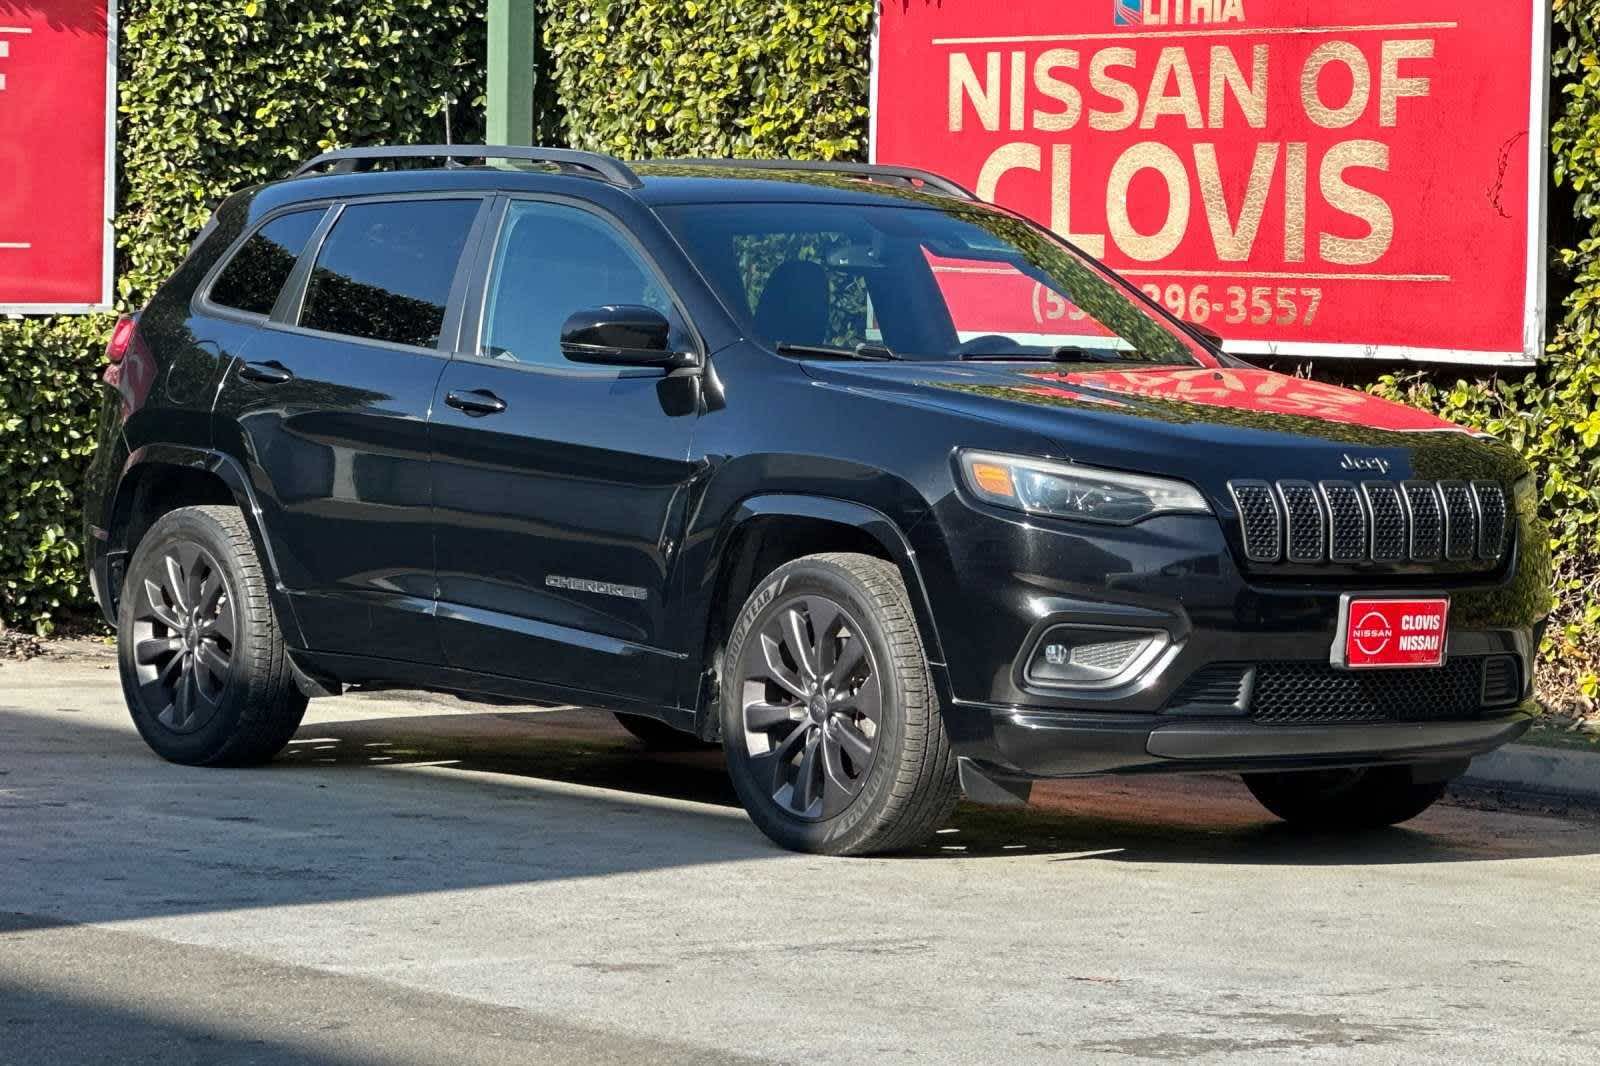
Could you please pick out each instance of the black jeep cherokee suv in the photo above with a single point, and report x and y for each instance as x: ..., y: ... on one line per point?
x: 890, y: 490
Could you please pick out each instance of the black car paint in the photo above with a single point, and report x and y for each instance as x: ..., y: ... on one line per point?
x: 431, y: 568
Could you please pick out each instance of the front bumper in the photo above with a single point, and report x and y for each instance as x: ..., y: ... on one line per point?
x: 1013, y: 742
x: 997, y: 582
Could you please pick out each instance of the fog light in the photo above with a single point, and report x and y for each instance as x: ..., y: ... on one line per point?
x: 1072, y: 657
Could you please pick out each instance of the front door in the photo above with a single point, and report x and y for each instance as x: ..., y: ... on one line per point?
x: 560, y: 488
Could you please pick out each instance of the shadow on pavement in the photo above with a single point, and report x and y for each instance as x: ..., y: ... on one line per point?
x: 1148, y: 819
x: 1104, y: 836
x: 577, y: 747
x: 126, y: 998
x: 47, y: 1029
x: 94, y: 827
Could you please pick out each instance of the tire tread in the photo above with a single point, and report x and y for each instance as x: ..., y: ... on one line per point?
x: 271, y: 703
x: 924, y: 789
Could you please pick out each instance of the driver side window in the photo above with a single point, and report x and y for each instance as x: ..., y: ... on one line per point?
x: 550, y: 261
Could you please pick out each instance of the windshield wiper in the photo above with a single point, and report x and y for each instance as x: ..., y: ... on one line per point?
x: 876, y: 353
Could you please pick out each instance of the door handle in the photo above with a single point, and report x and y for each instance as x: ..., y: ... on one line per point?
x: 475, y: 402
x: 270, y: 372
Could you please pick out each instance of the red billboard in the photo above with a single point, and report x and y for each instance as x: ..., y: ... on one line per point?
x: 57, y: 110
x: 1306, y: 178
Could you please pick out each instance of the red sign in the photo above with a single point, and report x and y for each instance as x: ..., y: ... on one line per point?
x: 57, y: 108
x: 1303, y: 177
x: 1382, y: 632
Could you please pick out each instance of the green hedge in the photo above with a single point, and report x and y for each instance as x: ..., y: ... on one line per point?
x: 47, y: 416
x: 745, y: 78
x: 219, y: 96
x: 213, y: 97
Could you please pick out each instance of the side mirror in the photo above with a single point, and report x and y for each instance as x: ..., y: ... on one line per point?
x: 1210, y: 336
x: 620, y: 335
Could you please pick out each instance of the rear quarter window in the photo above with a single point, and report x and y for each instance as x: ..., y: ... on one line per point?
x: 255, y: 275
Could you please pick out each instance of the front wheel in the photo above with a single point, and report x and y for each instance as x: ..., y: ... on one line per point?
x: 1345, y: 800
x: 830, y: 720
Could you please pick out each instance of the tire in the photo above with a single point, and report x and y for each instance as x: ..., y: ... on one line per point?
x: 203, y: 665
x: 1345, y: 800
x: 865, y: 771
x: 657, y: 735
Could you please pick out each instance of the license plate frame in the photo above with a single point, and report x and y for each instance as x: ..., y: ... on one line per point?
x: 1357, y: 647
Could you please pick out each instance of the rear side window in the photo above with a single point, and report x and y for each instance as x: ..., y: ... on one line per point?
x: 254, y: 276
x: 385, y: 269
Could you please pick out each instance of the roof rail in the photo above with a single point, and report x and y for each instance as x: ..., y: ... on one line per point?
x: 346, y: 160
x: 909, y: 176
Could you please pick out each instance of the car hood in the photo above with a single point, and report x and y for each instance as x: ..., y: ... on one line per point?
x: 1208, y: 425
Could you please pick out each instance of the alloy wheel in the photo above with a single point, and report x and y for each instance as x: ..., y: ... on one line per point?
x: 183, y: 638
x: 812, y: 706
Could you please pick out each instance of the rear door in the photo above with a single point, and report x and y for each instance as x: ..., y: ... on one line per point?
x: 560, y: 487
x: 330, y: 406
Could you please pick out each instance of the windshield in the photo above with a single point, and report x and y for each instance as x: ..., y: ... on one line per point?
x: 956, y: 282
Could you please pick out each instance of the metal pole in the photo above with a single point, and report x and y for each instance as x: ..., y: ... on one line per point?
x: 511, y: 35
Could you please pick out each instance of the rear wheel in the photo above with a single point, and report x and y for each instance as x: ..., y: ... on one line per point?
x: 830, y: 721
x: 203, y: 665
x: 1356, y: 799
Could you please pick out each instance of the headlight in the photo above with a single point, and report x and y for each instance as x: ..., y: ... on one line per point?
x: 1066, y: 490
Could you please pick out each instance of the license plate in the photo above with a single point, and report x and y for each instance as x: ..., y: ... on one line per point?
x: 1383, y: 631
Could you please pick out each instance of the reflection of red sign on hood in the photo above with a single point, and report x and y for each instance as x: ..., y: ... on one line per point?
x: 1258, y: 390
x: 1070, y: 395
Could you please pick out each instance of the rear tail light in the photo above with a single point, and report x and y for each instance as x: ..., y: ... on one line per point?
x: 122, y: 338
x: 129, y: 368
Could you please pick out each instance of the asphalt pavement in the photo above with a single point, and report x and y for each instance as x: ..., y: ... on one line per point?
x: 423, y: 881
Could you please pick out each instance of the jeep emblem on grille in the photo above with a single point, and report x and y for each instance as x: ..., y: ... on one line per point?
x: 1365, y: 462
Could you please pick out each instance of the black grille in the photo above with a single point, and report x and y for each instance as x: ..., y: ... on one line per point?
x: 1491, y: 518
x: 1347, y: 526
x: 1388, y: 521
x: 1427, y: 521
x: 1298, y: 693
x: 1306, y: 523
x: 1219, y: 689
x: 1460, y: 520
x: 1258, y: 520
x: 1304, y: 516
x: 1314, y: 693
x: 1502, y: 681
